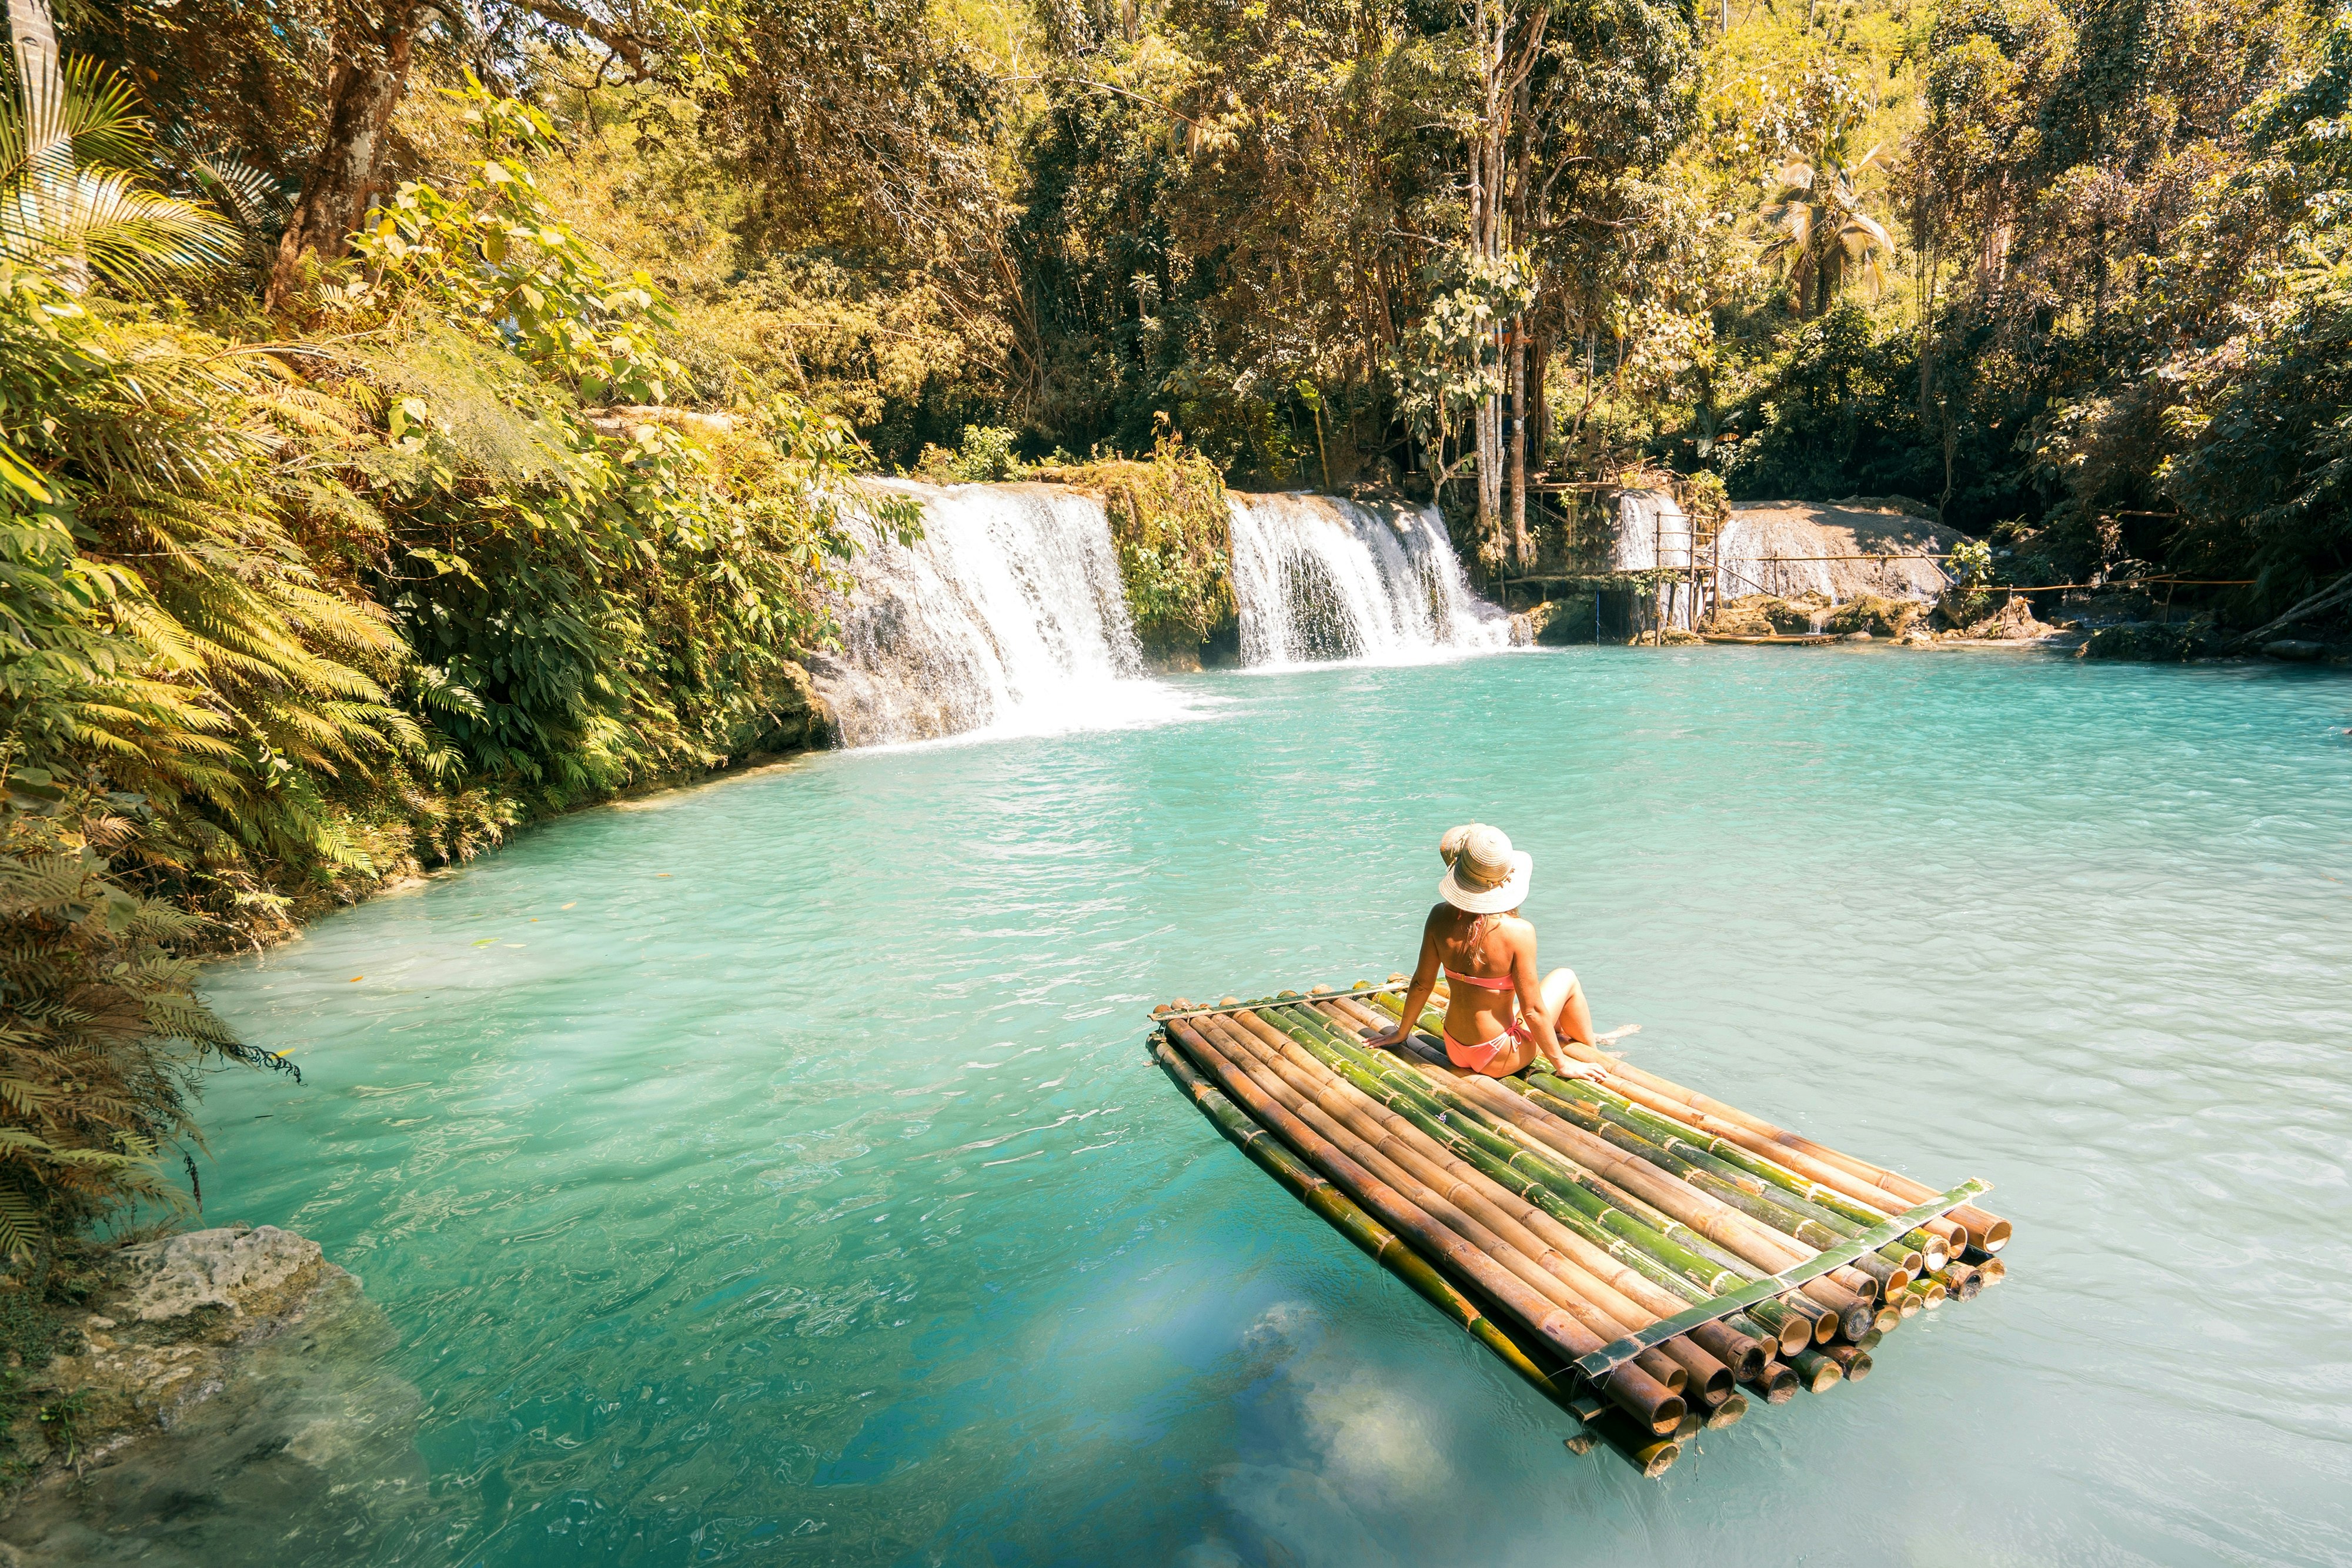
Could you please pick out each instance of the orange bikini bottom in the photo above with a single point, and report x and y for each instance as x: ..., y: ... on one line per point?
x: 1481, y: 1058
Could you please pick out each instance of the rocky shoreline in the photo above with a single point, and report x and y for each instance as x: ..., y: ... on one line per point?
x: 227, y: 1402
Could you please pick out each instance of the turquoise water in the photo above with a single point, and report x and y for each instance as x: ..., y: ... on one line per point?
x: 772, y: 1173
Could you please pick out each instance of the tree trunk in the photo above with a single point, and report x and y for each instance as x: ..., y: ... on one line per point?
x: 371, y: 72
x: 1521, y: 556
x: 1539, y: 406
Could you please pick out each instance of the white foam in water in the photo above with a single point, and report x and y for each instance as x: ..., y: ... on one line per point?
x: 1006, y: 617
x: 1321, y: 579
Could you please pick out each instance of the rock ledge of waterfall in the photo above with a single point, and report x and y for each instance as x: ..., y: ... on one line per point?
x: 220, y: 1375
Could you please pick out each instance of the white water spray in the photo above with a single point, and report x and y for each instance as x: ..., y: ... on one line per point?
x: 1319, y: 579
x: 1006, y: 616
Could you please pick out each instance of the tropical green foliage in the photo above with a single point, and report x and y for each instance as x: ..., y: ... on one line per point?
x: 1173, y: 531
x: 282, y: 618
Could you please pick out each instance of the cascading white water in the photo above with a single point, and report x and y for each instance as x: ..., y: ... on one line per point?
x: 1006, y: 615
x: 1318, y: 578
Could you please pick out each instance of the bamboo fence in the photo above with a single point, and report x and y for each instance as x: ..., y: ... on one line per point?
x: 1636, y: 1252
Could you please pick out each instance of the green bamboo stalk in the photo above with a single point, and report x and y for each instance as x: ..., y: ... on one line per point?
x: 1794, y: 1333
x: 1818, y: 1371
x: 1776, y: 1381
x: 1661, y: 1126
x: 1856, y: 1313
x: 1848, y: 1289
x: 1319, y: 1034
x: 1566, y: 1197
x: 1306, y: 1077
x: 1453, y: 1200
x: 1790, y: 1326
x: 1958, y: 1279
x: 1376, y: 1241
x: 1628, y: 1386
x: 1853, y: 1358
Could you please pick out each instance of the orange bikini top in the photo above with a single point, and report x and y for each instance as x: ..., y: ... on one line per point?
x: 1483, y: 984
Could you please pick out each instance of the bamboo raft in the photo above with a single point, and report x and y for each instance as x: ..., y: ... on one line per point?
x: 1637, y: 1253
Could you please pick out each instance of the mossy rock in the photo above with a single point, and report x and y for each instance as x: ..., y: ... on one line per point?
x: 1869, y: 612
x: 1559, y: 623
x: 1766, y: 615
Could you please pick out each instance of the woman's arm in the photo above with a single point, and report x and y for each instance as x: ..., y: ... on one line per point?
x: 1416, y: 996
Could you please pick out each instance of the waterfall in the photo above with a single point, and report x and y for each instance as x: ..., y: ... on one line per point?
x: 1007, y: 615
x: 1318, y: 578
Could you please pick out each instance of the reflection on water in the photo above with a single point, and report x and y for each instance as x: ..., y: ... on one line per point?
x: 777, y: 1177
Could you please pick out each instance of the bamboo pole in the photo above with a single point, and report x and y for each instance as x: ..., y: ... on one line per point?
x: 1632, y: 1389
x: 1728, y: 1414
x: 1776, y: 1381
x: 1958, y: 1279
x: 1761, y: 1248
x: 1583, y: 1204
x: 1670, y: 1132
x: 1987, y: 1231
x: 1452, y: 1200
x: 1817, y: 1371
x: 1846, y: 1200
x: 1853, y: 1358
x: 1825, y: 1165
x: 1753, y: 1244
x: 1521, y: 1224
x: 1376, y: 1241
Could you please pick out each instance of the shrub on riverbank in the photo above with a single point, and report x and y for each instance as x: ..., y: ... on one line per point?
x: 1173, y: 532
x: 287, y: 614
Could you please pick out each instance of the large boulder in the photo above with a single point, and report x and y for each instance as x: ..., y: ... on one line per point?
x: 791, y: 716
x: 230, y: 1404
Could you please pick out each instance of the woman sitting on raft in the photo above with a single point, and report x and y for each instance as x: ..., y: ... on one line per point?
x: 1498, y: 1017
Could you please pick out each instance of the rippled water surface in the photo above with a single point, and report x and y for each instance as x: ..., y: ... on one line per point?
x: 772, y: 1172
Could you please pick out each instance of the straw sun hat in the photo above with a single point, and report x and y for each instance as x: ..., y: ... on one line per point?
x: 1485, y: 876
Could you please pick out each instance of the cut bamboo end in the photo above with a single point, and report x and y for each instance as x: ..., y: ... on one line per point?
x: 1728, y: 1414
x: 1693, y: 1423
x: 1650, y: 1454
x: 1911, y: 1305
x: 1853, y: 1358
x: 1958, y: 1279
x: 1777, y: 1382
x: 1986, y: 1233
x: 1791, y: 1330
x: 1869, y: 1341
x: 1580, y: 1444
x: 1885, y: 1319
x: 1732, y: 1345
x: 1991, y: 1271
x: 1818, y: 1371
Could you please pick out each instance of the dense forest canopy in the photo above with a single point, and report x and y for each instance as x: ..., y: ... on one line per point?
x: 417, y: 416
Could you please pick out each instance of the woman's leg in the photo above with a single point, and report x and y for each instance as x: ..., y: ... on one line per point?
x: 1564, y: 1004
